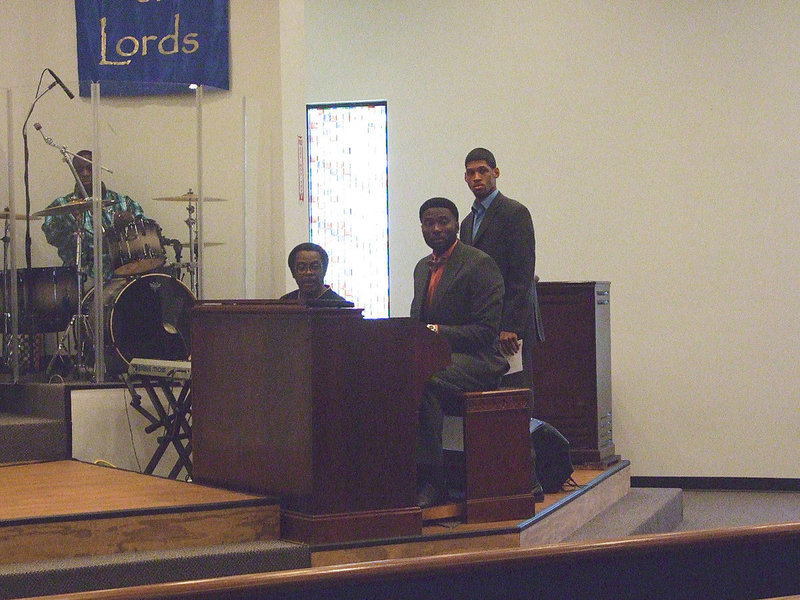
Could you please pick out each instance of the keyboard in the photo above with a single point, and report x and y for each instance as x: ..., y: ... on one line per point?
x: 154, y: 367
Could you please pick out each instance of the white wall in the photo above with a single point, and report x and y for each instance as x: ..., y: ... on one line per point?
x: 107, y: 429
x: 656, y: 144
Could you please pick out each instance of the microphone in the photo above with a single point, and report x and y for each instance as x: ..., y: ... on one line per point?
x: 61, y: 83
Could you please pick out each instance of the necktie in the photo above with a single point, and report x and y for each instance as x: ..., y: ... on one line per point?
x: 477, y: 216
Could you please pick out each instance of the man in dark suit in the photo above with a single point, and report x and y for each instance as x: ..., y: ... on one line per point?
x: 458, y: 293
x: 503, y: 228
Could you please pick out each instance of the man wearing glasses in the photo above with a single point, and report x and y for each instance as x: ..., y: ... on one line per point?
x: 308, y: 263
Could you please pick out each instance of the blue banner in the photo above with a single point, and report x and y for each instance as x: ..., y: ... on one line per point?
x: 145, y: 47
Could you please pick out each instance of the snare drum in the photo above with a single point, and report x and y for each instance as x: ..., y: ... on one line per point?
x: 135, y: 248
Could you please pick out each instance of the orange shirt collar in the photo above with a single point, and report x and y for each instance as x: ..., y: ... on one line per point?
x: 437, y: 260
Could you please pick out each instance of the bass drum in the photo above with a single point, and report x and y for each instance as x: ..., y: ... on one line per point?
x: 145, y: 317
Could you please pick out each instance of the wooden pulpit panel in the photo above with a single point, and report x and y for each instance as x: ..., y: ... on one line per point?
x: 315, y: 405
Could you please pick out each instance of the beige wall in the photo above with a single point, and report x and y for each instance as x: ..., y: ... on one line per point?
x: 656, y: 144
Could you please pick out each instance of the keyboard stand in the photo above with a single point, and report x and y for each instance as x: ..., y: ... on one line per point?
x: 175, y: 418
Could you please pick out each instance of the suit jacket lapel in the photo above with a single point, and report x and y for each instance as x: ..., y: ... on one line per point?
x: 466, y: 229
x: 488, y: 218
x: 451, y: 269
x: 421, y: 286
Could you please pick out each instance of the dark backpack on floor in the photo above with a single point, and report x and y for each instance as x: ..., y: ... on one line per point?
x: 551, y: 458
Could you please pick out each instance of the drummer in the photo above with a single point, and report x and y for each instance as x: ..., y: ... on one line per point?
x: 60, y: 229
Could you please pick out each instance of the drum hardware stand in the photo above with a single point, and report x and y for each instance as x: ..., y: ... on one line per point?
x: 13, y: 344
x: 177, y: 248
x: 191, y: 222
x: 8, y: 347
x: 78, y: 323
x: 194, y: 264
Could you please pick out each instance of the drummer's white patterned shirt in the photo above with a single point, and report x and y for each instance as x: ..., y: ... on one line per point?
x: 59, y: 230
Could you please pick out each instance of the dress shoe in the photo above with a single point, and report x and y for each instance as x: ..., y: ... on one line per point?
x: 538, y: 492
x: 429, y: 495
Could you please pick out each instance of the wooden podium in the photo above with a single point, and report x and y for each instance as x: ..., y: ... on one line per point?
x: 317, y: 406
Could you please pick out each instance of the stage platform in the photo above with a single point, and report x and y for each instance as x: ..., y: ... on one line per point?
x: 557, y: 518
x: 68, y: 526
x: 66, y: 509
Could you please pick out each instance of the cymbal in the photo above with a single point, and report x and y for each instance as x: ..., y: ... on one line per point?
x: 74, y: 206
x: 205, y: 244
x: 4, y: 214
x: 189, y: 196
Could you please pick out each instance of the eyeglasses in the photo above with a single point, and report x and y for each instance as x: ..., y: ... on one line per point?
x: 312, y: 267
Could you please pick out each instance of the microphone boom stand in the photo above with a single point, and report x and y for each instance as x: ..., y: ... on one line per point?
x: 78, y: 323
x: 26, y: 160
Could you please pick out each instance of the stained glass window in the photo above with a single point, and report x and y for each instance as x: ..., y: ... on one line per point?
x: 348, y: 199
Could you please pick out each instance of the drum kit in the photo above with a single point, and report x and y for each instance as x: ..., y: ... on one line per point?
x: 146, y: 304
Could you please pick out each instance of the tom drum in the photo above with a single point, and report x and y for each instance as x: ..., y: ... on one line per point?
x: 135, y: 248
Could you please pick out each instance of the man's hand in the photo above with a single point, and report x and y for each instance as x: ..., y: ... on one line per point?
x: 122, y: 218
x: 509, y: 343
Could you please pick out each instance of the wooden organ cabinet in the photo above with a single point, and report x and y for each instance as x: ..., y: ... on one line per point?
x: 572, y: 367
x: 317, y: 406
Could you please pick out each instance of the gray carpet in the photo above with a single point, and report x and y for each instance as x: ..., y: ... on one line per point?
x: 139, y: 568
x: 33, y: 423
x: 640, y: 511
x: 31, y: 438
x: 705, y: 509
x: 658, y: 510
